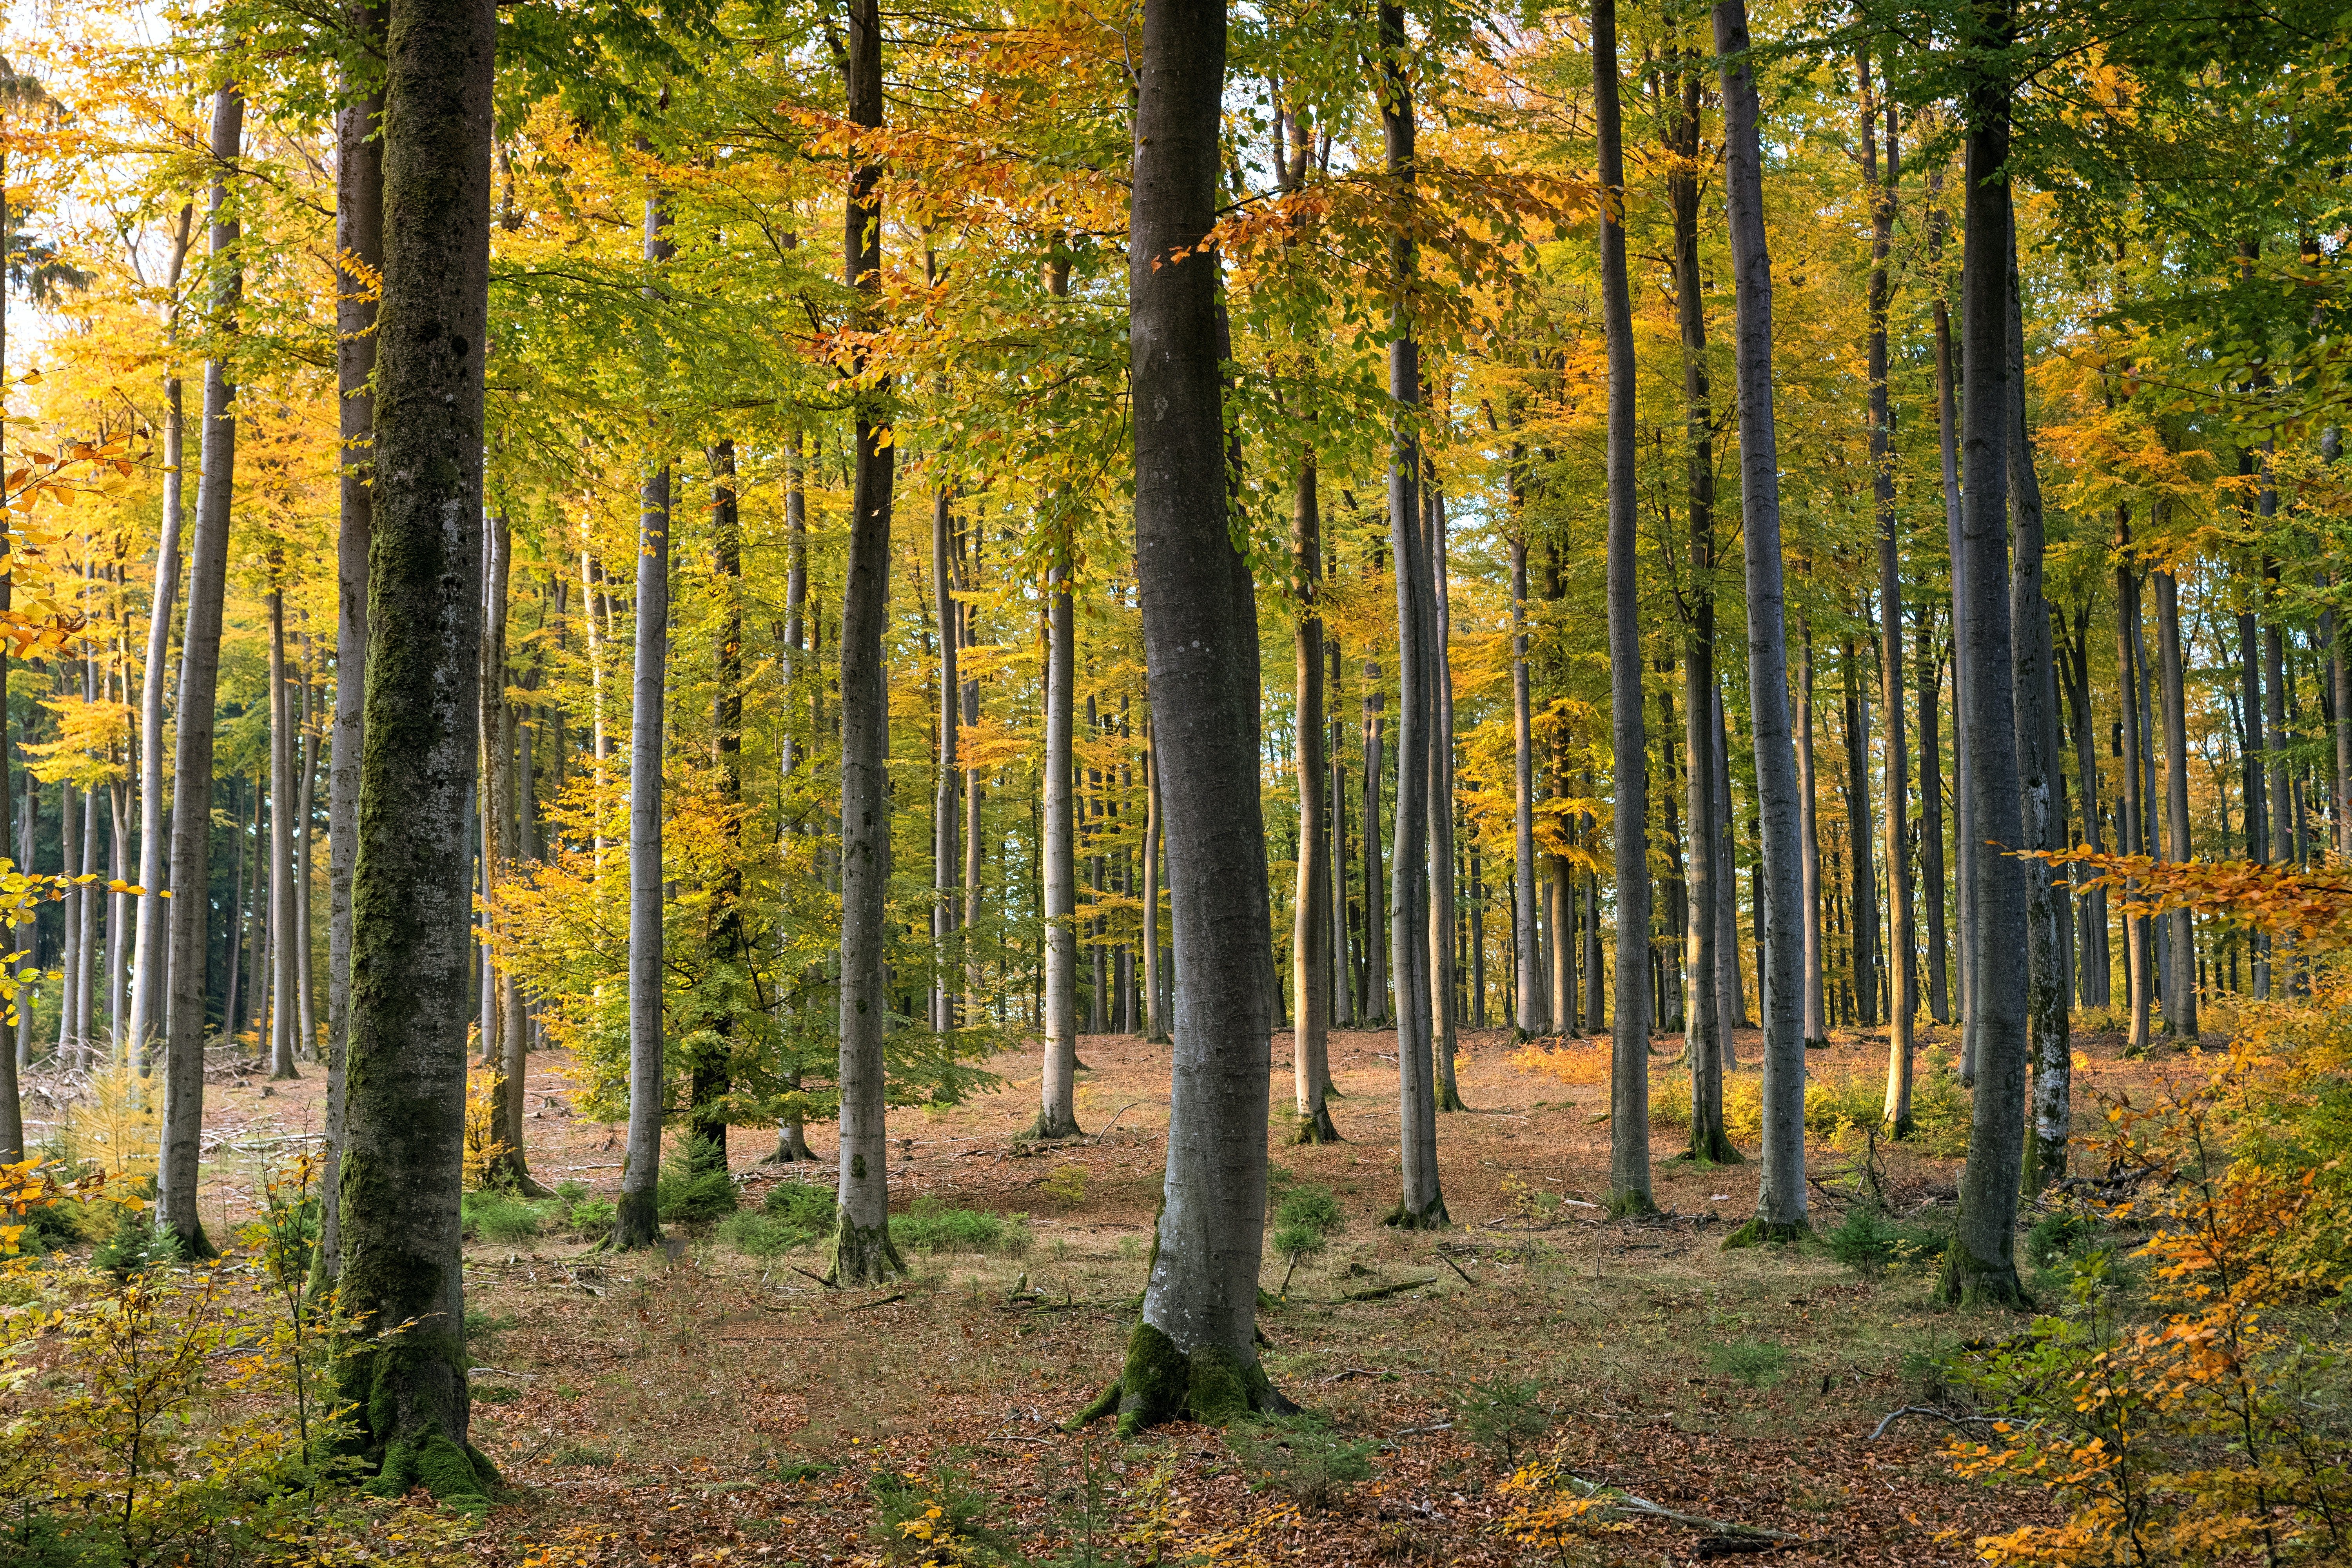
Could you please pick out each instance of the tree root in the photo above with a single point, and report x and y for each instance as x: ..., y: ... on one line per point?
x: 1316, y: 1128
x: 1045, y: 1129
x: 1761, y: 1232
x: 1160, y: 1383
x: 1432, y: 1218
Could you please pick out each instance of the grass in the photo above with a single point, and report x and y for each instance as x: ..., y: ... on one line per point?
x: 1751, y: 1364
x: 800, y: 1215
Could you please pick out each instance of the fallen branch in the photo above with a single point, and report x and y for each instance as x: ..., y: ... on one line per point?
x: 1449, y: 1262
x: 1625, y: 1503
x: 1422, y: 1431
x: 820, y: 1279
x: 1959, y: 1422
x: 1378, y: 1291
x: 878, y: 1301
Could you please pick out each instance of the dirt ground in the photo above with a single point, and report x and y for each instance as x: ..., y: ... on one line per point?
x: 698, y: 1405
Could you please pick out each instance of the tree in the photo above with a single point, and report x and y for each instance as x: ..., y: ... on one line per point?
x: 192, y: 764
x: 1311, y: 945
x: 863, y: 1252
x: 1780, y: 1196
x: 1057, y: 1114
x: 1629, y: 1079
x: 1194, y: 1354
x: 359, y: 244
x: 1982, y: 1262
x: 405, y: 1063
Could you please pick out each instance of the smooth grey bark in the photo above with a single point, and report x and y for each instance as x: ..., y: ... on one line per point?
x: 1311, y: 940
x: 1862, y: 909
x: 1931, y: 815
x: 1155, y: 982
x: 282, y: 1009
x: 1629, y: 1077
x: 862, y: 1247
x: 305, y: 807
x: 359, y: 235
x: 1423, y: 1202
x: 1057, y: 1092
x: 1902, y: 991
x: 946, y: 853
x: 1194, y: 1353
x: 791, y: 1132
x: 2181, y: 986
x: 146, y: 1020
x: 1947, y: 443
x: 192, y: 762
x: 1729, y: 1006
x: 1534, y: 1017
x: 1704, y: 1037
x: 637, y: 1221
x: 1780, y: 1196
x: 711, y: 1063
x: 1809, y: 870
x: 974, y: 790
x: 500, y: 847
x: 2042, y: 825
x: 1442, y: 967
x: 1981, y: 1263
x: 2133, y: 828
x: 1373, y: 1011
x: 405, y: 1065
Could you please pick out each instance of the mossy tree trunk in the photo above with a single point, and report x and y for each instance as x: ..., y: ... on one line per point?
x: 1981, y: 1263
x: 1780, y: 1196
x: 1194, y: 1353
x: 1629, y: 1079
x: 192, y: 760
x: 359, y: 234
x: 862, y: 1249
x: 405, y: 1065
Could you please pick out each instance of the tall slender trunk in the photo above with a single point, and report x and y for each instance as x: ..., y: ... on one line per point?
x: 12, y: 1106
x: 68, y: 1047
x: 791, y: 1132
x: 1058, y: 1111
x: 1423, y: 1202
x: 1730, y: 1004
x: 1154, y: 829
x: 2133, y: 826
x: 1982, y: 1260
x: 1809, y: 867
x: 406, y: 1058
x: 975, y: 1001
x: 2255, y: 783
x: 862, y: 1249
x: 1311, y: 940
x: 947, y: 852
x: 1903, y: 1002
x: 711, y: 1065
x: 1374, y: 1010
x: 1863, y: 921
x: 237, y: 921
x: 1931, y: 815
x: 359, y: 235
x: 192, y: 769
x: 1703, y: 1034
x: 1534, y: 1018
x: 1629, y: 1093
x: 1344, y: 987
x: 637, y: 1221
x: 305, y: 807
x: 2181, y: 986
x: 1443, y: 974
x: 2041, y: 820
x: 1194, y: 1352
x: 1781, y: 1197
x: 282, y: 1011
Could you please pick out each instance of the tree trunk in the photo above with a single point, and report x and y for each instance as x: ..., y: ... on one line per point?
x: 359, y: 234
x: 1628, y: 1094
x: 2133, y: 826
x: 863, y: 1252
x: 947, y: 852
x: 1423, y: 1203
x: 1194, y: 1353
x: 2041, y: 822
x: 282, y: 1011
x: 1863, y: 891
x: 1703, y: 1034
x: 637, y: 1220
x: 1931, y: 815
x: 2181, y: 986
x: 1903, y: 1002
x: 1058, y: 1111
x: 406, y: 1060
x: 711, y: 1066
x: 1780, y: 1196
x: 1981, y: 1261
x: 1534, y: 1018
x: 1310, y: 939
x: 192, y: 764
x: 1442, y: 967
x: 1809, y: 872
x: 1343, y: 987
x: 305, y: 807
x: 147, y: 964
x: 792, y: 1133
x: 1374, y: 1010
x: 1154, y: 829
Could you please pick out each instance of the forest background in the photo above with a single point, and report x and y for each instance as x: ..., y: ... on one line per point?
x: 669, y: 342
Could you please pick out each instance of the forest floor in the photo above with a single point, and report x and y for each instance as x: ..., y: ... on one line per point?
x: 702, y: 1406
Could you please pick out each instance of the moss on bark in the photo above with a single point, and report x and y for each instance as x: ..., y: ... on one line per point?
x: 1431, y: 1217
x: 1160, y: 1383
x: 1317, y: 1128
x: 864, y: 1255
x: 1765, y: 1233
x: 1045, y: 1129
x: 1970, y: 1281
